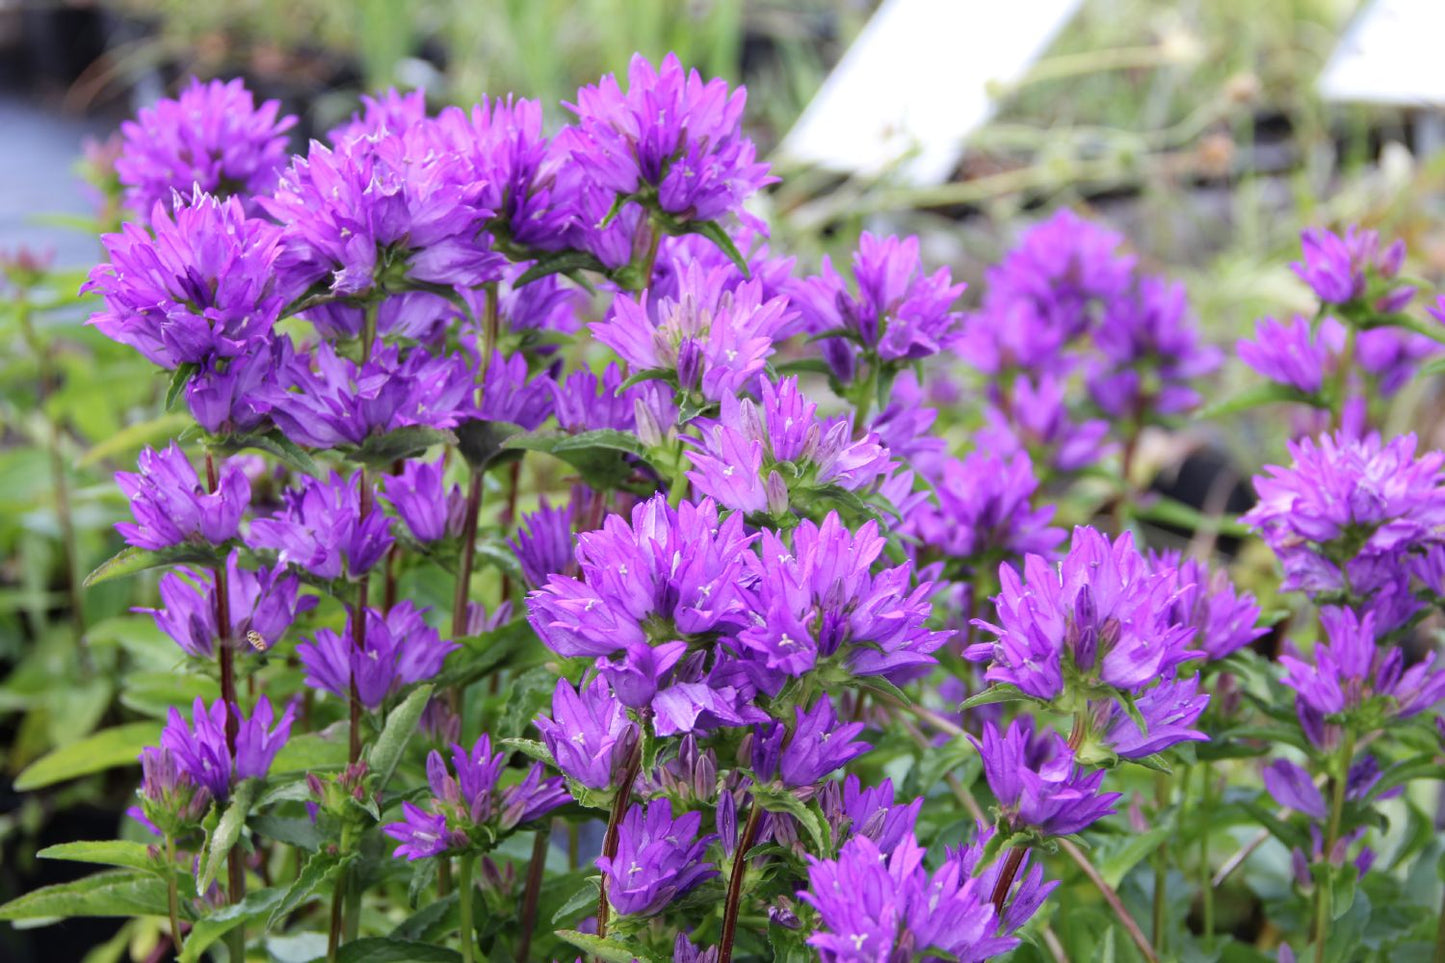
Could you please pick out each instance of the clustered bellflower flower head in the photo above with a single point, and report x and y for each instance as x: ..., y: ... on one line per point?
x: 820, y: 601
x: 714, y: 340
x: 671, y: 141
x: 1349, y: 513
x: 470, y: 807
x: 199, y: 285
x: 898, y: 314
x: 756, y: 453
x: 658, y: 859
x: 213, y: 137
x: 430, y: 510
x: 399, y: 649
x: 320, y: 529
x: 1308, y: 358
x: 1224, y: 619
x: 886, y: 906
x: 1340, y: 268
x: 264, y: 602
x: 813, y: 747
x: 1100, y: 618
x: 200, y: 748
x: 172, y: 508
x: 171, y: 801
x: 1351, y: 674
x: 982, y: 510
x: 589, y: 733
x: 1039, y: 785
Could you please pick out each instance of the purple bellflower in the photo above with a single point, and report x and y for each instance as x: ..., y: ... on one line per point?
x: 714, y: 339
x: 172, y: 508
x: 1102, y: 617
x: 171, y: 802
x: 671, y: 138
x: 431, y: 511
x: 200, y: 284
x: 212, y: 137
x: 1038, y: 784
x: 319, y: 528
x: 1338, y: 268
x: 1224, y: 619
x: 755, y: 452
x: 658, y: 859
x: 588, y: 734
x: 400, y: 649
x: 816, y: 746
x: 1150, y: 352
x: 200, y: 748
x: 263, y: 602
x: 1033, y: 417
x: 820, y: 599
x: 984, y: 512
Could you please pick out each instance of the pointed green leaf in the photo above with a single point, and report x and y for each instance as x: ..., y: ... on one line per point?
x: 382, y: 950
x: 1257, y: 397
x: 106, y: 749
x: 400, y: 726
x: 117, y: 893
x: 381, y: 451
x: 179, y: 378
x: 714, y: 232
x: 105, y: 852
x: 609, y: 951
x: 226, y: 834
x: 318, y: 869
x: 210, y: 929
x: 276, y: 444
x: 1003, y: 692
x: 562, y: 262
x: 130, y: 560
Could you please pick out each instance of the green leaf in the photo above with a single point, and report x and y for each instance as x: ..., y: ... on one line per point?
x: 1116, y: 865
x: 1258, y: 396
x: 651, y: 374
x: 584, y: 898
x: 599, y: 456
x: 106, y: 852
x: 310, y: 751
x: 786, y: 802
x: 136, y: 436
x: 130, y: 560
x: 714, y: 232
x: 1166, y: 511
x: 1003, y: 692
x: 380, y: 451
x: 210, y: 929
x: 484, y: 652
x: 532, y: 749
x: 276, y: 444
x: 179, y: 378
x: 106, y: 749
x: 386, y: 752
x: 562, y: 262
x: 226, y: 834
x: 318, y: 869
x: 117, y: 893
x: 609, y: 951
x: 384, y: 950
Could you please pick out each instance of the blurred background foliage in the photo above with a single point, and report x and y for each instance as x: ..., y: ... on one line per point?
x: 1192, y: 126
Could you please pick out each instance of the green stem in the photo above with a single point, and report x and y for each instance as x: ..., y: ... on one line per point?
x: 173, y: 900
x: 1161, y: 864
x: 464, y: 904
x: 1206, y: 878
x: 338, y: 898
x: 1342, y: 376
x: 1112, y: 898
x: 864, y: 402
x: 1324, y: 908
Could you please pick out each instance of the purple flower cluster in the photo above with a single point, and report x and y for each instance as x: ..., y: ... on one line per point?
x: 202, y: 751
x: 1340, y: 268
x: 264, y: 602
x: 398, y: 649
x: 172, y: 508
x: 658, y: 859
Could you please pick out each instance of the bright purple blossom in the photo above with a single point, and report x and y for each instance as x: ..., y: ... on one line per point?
x: 264, y: 602
x: 1168, y: 709
x: 670, y: 571
x: 390, y: 112
x: 875, y: 906
x: 1038, y: 784
x: 225, y: 394
x: 431, y: 511
x: 1034, y: 418
x: 585, y: 402
x: 1350, y: 671
x: 658, y: 859
x: 1348, y: 512
x: 469, y: 805
x: 756, y: 452
x: 400, y: 649
x: 172, y: 508
x: 1287, y: 352
x: 983, y: 511
x: 334, y: 402
x: 816, y: 746
x: 589, y: 733
x: 899, y: 313
x: 545, y: 543
x: 212, y: 137
x: 872, y: 812
x: 511, y: 394
x: 713, y: 338
x: 319, y: 528
x: 199, y: 284
x: 378, y: 212
x: 171, y: 802
x: 1150, y: 351
x: 671, y: 138
x: 1339, y: 268
x: 1223, y: 618
x: 820, y: 599
x: 200, y: 748
x: 1102, y: 616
